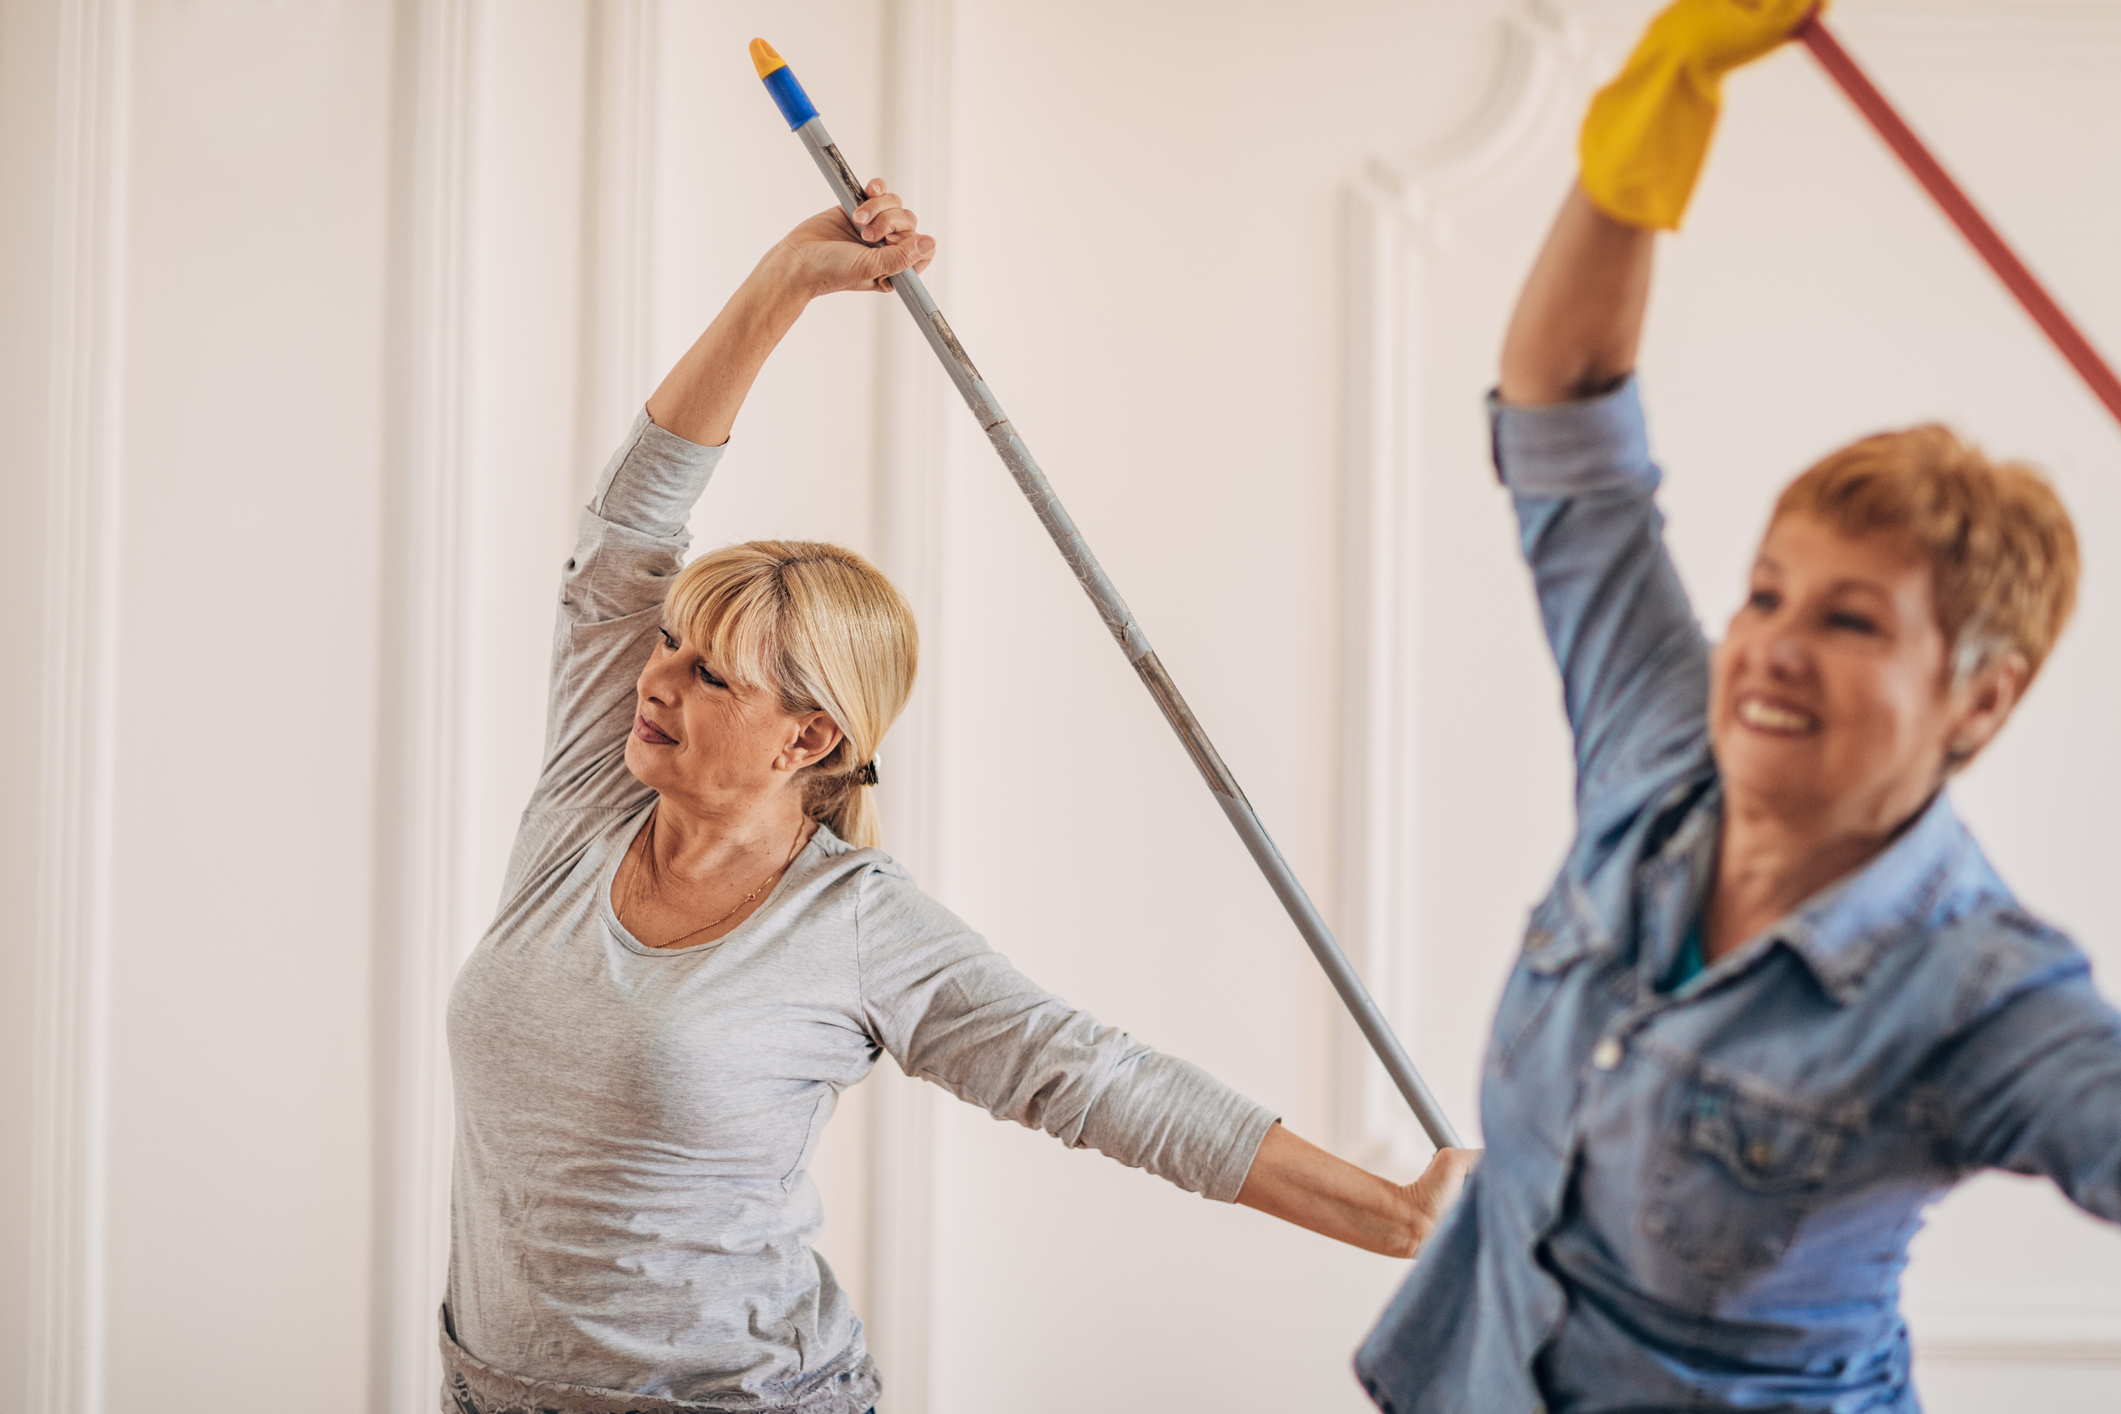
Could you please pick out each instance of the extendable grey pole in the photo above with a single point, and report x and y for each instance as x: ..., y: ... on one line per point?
x: 796, y: 107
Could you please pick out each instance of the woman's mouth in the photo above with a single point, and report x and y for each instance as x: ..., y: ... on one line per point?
x: 651, y: 733
x: 1775, y: 718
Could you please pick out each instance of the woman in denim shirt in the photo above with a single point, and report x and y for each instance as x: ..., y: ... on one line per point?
x: 1777, y: 1002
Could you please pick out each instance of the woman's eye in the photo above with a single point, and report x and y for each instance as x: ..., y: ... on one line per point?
x: 669, y: 641
x: 1763, y: 601
x: 1852, y: 623
x: 709, y: 678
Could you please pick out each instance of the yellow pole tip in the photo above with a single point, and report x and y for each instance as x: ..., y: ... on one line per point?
x: 764, y: 59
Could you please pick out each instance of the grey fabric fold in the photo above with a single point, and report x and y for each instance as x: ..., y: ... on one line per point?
x: 848, y: 1385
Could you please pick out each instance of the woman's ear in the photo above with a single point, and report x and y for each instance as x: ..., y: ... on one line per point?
x: 816, y: 734
x: 1983, y: 704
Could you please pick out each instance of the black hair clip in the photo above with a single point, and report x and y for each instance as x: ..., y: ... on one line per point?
x: 866, y: 772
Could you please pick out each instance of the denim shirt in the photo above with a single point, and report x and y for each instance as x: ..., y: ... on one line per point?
x: 1703, y: 1198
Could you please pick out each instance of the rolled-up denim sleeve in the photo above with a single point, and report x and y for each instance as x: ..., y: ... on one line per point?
x: 2036, y: 1089
x: 1634, y: 663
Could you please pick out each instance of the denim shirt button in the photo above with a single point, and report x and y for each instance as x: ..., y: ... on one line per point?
x: 1606, y: 1054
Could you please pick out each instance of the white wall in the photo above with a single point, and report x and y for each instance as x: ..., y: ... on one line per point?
x: 1150, y: 286
x: 195, y: 208
x: 380, y: 282
x: 243, y: 734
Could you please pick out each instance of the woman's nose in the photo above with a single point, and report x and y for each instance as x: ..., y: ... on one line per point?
x: 1784, y: 655
x: 655, y: 679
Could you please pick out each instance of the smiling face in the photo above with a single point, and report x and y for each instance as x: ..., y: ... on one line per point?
x: 711, y: 743
x: 1832, y: 702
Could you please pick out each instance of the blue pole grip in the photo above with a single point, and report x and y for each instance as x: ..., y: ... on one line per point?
x: 788, y: 96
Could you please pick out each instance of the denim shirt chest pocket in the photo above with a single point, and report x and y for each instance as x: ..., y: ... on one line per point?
x: 1736, y: 1175
x: 1561, y: 933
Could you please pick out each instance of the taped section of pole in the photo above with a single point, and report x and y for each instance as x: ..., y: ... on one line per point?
x: 1873, y: 105
x: 802, y: 116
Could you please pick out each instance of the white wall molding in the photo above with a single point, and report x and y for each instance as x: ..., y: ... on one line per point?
x: 913, y: 404
x: 71, y: 1080
x: 1397, y: 217
x: 620, y: 153
x: 1542, y: 58
x: 1373, y: 886
x: 418, y: 808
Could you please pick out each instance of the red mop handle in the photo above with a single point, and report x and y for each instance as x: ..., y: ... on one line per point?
x: 1965, y: 215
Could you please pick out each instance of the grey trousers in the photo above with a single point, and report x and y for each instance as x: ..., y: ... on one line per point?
x: 848, y: 1385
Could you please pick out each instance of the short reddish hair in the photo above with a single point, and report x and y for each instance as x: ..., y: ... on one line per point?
x: 2001, y: 549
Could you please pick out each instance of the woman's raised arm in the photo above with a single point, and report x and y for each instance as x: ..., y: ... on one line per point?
x: 828, y: 252
x: 1579, y: 319
x: 1642, y: 147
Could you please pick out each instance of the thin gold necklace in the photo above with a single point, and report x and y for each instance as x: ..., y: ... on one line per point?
x: 634, y: 882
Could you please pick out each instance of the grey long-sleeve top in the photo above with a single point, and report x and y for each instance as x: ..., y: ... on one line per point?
x: 630, y: 1204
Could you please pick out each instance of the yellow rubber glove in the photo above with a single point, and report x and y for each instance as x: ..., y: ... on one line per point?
x: 1647, y: 132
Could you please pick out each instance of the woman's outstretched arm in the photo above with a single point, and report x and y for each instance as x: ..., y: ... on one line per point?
x: 1579, y: 318
x: 953, y: 1011
x: 827, y: 253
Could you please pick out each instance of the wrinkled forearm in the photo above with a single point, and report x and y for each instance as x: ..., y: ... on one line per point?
x: 1298, y: 1182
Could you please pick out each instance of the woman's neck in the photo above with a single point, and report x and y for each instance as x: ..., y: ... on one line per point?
x: 1767, y: 864
x: 695, y: 841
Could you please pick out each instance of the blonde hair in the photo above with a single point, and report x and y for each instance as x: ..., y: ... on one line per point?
x: 1998, y: 541
x: 821, y: 629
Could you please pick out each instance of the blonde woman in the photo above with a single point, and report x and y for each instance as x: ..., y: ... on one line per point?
x: 700, y: 945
